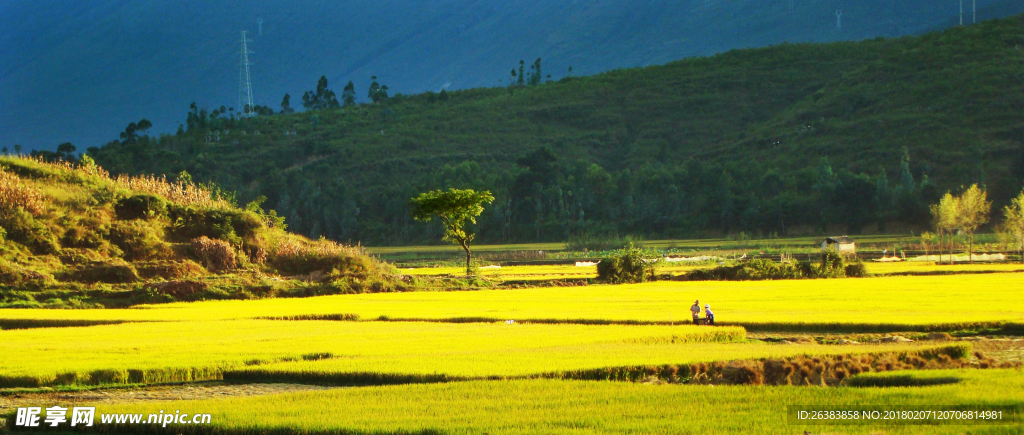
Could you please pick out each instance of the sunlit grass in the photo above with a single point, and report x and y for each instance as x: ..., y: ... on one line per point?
x: 574, y: 407
x: 69, y: 355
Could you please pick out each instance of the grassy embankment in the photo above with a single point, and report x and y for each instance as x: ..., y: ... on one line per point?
x: 73, y: 237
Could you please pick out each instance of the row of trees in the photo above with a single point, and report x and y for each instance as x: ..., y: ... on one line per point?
x: 969, y: 211
x: 324, y: 98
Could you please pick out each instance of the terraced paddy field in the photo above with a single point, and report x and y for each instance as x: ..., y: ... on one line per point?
x: 592, y: 359
x: 579, y: 407
x: 899, y: 303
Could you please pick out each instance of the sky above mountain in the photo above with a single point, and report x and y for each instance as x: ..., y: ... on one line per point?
x: 81, y: 71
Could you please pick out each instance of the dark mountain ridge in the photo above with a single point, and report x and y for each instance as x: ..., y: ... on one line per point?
x: 80, y: 71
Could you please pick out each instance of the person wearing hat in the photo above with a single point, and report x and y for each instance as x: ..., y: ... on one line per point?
x: 695, y: 309
x: 709, y: 314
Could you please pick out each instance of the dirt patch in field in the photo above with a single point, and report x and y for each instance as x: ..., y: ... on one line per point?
x: 15, y: 399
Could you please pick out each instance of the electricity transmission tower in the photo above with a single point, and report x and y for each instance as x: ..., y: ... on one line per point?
x: 260, y: 21
x: 245, y: 107
x: 839, y: 20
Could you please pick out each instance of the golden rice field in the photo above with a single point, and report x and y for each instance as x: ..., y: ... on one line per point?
x: 577, y: 407
x: 70, y: 355
x: 526, y: 361
x: 912, y: 302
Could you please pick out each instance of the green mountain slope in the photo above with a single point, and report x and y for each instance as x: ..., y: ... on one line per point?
x: 786, y: 139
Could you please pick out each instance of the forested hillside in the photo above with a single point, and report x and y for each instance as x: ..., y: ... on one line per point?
x: 783, y: 140
x: 77, y: 71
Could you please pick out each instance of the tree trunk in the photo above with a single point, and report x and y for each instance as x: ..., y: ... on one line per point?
x: 970, y: 249
x: 469, y: 267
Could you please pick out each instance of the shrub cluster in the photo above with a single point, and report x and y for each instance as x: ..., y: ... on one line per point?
x: 631, y: 266
x: 832, y: 265
x: 142, y: 206
x: 138, y: 241
x: 234, y: 226
x: 24, y: 228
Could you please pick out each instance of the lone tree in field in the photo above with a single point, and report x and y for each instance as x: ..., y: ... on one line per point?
x: 944, y: 217
x: 453, y: 207
x: 1015, y: 220
x: 973, y: 213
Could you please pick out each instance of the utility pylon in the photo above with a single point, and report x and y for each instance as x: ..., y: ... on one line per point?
x: 245, y: 107
x: 839, y: 20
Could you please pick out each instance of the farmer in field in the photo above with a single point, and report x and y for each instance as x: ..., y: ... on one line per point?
x: 710, y: 316
x: 695, y: 309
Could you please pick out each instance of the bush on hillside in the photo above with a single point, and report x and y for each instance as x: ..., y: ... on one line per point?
x: 140, y: 207
x: 15, y: 275
x: 630, y: 266
x: 170, y: 270
x: 106, y: 272
x: 23, y: 228
x: 216, y: 255
x: 139, y: 240
x: 89, y: 232
x: 233, y: 226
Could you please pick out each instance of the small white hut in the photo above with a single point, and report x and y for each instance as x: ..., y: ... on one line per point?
x: 844, y: 245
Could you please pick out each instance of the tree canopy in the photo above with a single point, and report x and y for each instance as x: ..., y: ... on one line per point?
x: 454, y: 207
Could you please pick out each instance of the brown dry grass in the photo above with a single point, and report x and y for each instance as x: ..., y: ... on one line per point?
x: 217, y: 255
x: 179, y: 192
x: 15, y: 194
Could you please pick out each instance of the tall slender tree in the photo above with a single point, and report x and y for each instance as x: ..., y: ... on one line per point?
x: 286, y: 104
x: 1014, y: 224
x: 348, y: 95
x: 973, y: 213
x: 944, y: 217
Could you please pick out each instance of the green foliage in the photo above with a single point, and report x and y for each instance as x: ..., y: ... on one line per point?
x: 590, y: 242
x: 141, y: 207
x: 856, y: 270
x: 188, y: 222
x: 110, y: 273
x: 320, y: 99
x: 832, y: 265
x: 25, y: 229
x: 454, y: 208
x: 139, y: 240
x: 632, y: 265
x: 14, y: 275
